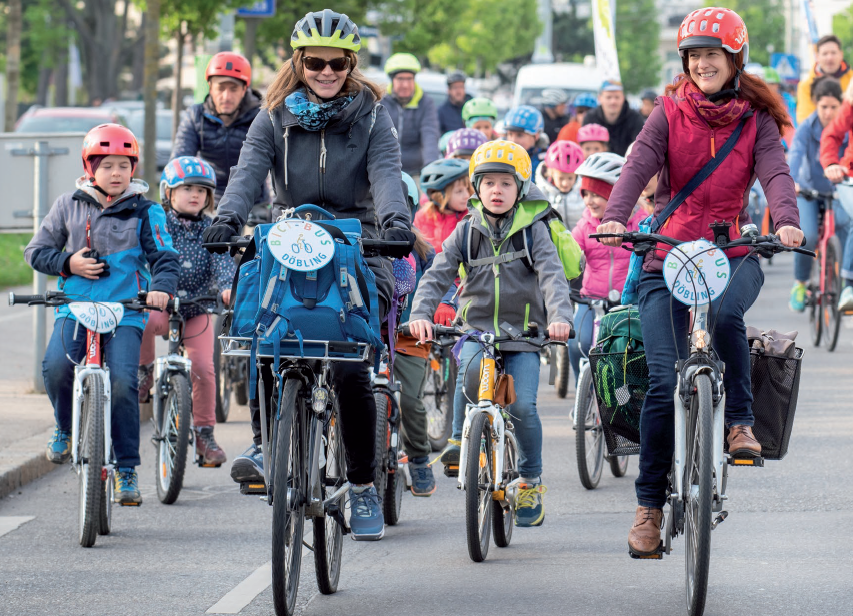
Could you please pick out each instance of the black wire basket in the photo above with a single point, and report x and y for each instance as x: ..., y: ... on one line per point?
x: 621, y: 381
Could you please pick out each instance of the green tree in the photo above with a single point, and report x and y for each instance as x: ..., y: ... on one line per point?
x: 573, y: 38
x: 765, y: 22
x: 420, y: 25
x: 842, y: 27
x: 637, y: 39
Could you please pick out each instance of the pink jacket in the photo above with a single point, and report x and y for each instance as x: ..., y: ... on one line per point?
x: 437, y: 227
x: 606, y: 266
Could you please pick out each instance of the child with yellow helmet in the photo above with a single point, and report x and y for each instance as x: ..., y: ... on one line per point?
x: 498, y: 287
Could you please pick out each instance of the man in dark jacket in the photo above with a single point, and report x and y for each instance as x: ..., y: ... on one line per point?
x: 412, y: 112
x: 215, y: 129
x: 450, y: 112
x: 614, y: 114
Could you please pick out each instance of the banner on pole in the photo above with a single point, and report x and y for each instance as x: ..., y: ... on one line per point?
x: 808, y: 13
x: 606, y: 59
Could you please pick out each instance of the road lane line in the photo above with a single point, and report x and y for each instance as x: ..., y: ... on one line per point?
x: 245, y: 592
x: 10, y: 523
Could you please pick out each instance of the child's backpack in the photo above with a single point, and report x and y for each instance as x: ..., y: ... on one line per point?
x: 302, y: 282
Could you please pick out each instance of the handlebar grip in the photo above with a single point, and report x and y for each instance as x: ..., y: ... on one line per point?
x: 381, y: 247
x: 596, y: 236
x: 24, y: 299
x: 239, y: 241
x: 808, y: 253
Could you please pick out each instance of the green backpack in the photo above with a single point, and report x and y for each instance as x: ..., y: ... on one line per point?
x: 620, y: 374
x: 619, y: 330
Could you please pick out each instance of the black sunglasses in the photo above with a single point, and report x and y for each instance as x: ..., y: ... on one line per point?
x: 319, y: 64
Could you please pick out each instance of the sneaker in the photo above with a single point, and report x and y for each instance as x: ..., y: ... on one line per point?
x: 423, y: 481
x: 127, y: 487
x: 59, y: 448
x: 450, y: 457
x: 366, y: 519
x: 145, y: 377
x: 207, y: 449
x: 797, y: 302
x: 249, y: 466
x: 845, y: 302
x: 529, y: 510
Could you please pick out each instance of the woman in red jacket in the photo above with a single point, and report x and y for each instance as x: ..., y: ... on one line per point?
x: 688, y: 126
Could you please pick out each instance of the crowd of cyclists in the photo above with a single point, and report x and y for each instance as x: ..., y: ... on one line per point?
x: 454, y: 183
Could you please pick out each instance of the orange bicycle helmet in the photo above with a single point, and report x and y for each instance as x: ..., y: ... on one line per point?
x: 106, y: 140
x: 229, y: 64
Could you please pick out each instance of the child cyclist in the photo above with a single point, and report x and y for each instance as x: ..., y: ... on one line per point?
x: 186, y: 191
x: 481, y: 114
x: 556, y: 178
x: 105, y: 242
x: 524, y: 125
x: 445, y: 182
x: 606, y: 266
x: 505, y: 203
x: 463, y: 142
x: 593, y: 138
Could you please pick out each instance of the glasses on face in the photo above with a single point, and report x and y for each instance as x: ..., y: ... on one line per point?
x: 318, y: 65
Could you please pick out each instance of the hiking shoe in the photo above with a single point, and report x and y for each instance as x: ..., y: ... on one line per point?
x: 127, y: 487
x: 845, y: 302
x: 366, y: 519
x: 145, y: 377
x: 797, y: 302
x: 529, y: 510
x: 248, y: 467
x: 450, y: 457
x: 59, y: 448
x: 423, y: 481
x: 207, y: 449
x: 644, y: 536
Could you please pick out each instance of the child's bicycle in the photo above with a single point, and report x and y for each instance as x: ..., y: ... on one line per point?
x: 389, y: 477
x: 91, y: 435
x: 438, y: 396
x: 231, y: 374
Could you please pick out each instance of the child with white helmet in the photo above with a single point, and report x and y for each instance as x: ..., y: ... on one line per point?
x: 557, y: 179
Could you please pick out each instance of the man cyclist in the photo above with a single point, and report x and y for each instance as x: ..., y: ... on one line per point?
x: 614, y: 114
x: 829, y: 60
x: 450, y: 112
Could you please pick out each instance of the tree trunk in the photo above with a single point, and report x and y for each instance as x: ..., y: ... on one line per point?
x: 44, y: 81
x: 177, y: 94
x: 152, y: 57
x: 60, y: 76
x: 137, y: 64
x: 13, y: 62
x: 250, y: 38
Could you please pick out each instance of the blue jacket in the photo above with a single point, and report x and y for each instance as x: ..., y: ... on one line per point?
x: 202, y: 133
x: 131, y: 237
x: 804, y: 158
x: 450, y: 115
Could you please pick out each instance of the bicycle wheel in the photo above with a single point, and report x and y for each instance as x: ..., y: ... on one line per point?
x: 106, y: 509
x: 380, y: 475
x: 289, y: 497
x: 814, y: 303
x: 239, y: 374
x: 328, y: 534
x: 393, y: 501
x: 504, y: 520
x: 698, y: 494
x: 618, y: 465
x: 563, y: 369
x: 90, y: 452
x: 832, y: 293
x: 221, y: 375
x: 438, y: 399
x: 478, y: 488
x: 174, y: 439
x: 589, y: 437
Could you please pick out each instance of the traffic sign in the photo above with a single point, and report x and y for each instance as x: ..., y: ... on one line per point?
x: 787, y: 65
x: 261, y: 8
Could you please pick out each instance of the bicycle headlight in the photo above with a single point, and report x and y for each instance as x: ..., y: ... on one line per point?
x: 700, y: 339
x: 319, y: 399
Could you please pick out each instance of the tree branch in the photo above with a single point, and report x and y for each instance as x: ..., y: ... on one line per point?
x: 74, y: 16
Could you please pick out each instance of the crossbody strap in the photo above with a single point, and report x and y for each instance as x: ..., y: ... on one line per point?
x: 700, y: 177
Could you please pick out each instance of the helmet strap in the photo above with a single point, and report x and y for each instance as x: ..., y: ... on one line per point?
x: 191, y: 217
x: 100, y: 190
x: 728, y: 93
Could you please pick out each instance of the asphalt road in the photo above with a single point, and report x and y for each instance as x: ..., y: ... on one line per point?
x: 785, y: 548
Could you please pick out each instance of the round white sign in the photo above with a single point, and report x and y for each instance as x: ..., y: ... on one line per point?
x: 696, y: 273
x: 101, y: 317
x: 300, y: 245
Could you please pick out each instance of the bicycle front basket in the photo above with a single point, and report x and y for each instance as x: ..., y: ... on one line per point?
x: 621, y: 381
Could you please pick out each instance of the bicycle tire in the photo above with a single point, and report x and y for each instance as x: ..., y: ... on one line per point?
x: 698, y: 472
x: 563, y: 369
x: 289, y: 486
x: 328, y: 534
x: 392, y: 504
x: 618, y: 465
x: 504, y: 521
x: 106, y: 509
x: 438, y: 399
x: 171, y: 460
x: 814, y: 306
x: 589, y: 436
x: 832, y: 293
x: 380, y: 474
x: 240, y: 384
x: 90, y: 451
x: 478, y: 488
x: 222, y: 376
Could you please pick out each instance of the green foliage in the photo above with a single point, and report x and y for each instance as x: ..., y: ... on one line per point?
x: 200, y: 16
x: 842, y: 27
x: 573, y: 38
x: 637, y: 38
x: 765, y: 22
x: 14, y: 270
x: 419, y: 26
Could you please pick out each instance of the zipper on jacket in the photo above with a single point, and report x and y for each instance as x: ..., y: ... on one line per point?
x: 713, y: 145
x: 322, y: 165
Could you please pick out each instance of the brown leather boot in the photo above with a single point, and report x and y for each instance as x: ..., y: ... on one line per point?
x: 742, y: 441
x: 644, y: 538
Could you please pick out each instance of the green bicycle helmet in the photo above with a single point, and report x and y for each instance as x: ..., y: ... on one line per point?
x: 771, y: 75
x: 326, y: 29
x: 402, y: 63
x: 479, y: 108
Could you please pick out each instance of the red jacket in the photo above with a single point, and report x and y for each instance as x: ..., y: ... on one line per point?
x: 437, y: 227
x: 833, y: 137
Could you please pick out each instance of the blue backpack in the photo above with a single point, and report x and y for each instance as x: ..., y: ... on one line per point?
x: 290, y: 312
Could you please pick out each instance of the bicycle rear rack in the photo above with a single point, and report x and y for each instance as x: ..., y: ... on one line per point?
x: 324, y: 350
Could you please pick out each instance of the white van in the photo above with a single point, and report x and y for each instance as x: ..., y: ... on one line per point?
x: 567, y: 76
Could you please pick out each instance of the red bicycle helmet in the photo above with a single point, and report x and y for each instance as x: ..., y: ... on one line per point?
x: 108, y: 139
x: 229, y: 64
x: 565, y: 156
x: 714, y: 27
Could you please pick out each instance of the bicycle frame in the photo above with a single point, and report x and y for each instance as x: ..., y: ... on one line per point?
x: 174, y: 361
x: 94, y: 365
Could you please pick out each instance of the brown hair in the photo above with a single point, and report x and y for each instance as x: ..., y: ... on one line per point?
x: 208, y: 204
x: 291, y: 77
x: 752, y: 89
x: 438, y: 199
x: 422, y: 246
x: 828, y: 38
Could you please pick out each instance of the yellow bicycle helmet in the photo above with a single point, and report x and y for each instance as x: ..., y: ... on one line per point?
x: 326, y: 29
x: 502, y: 157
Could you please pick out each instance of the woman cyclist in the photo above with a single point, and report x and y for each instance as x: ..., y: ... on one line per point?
x: 687, y: 127
x: 327, y: 142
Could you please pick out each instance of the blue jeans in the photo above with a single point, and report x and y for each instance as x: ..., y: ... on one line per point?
x: 579, y: 345
x: 524, y: 368
x: 809, y: 225
x: 657, y: 429
x: 122, y: 358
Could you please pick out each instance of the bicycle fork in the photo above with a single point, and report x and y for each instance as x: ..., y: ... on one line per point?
x: 80, y: 374
x: 498, y: 437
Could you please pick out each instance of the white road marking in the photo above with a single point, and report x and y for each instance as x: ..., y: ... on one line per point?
x: 10, y: 523
x: 245, y: 592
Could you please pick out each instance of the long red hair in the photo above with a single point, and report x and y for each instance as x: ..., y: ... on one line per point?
x: 752, y: 89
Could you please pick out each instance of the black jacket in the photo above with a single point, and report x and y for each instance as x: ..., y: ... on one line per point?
x: 623, y: 132
x: 450, y: 115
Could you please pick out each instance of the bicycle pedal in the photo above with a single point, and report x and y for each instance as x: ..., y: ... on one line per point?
x: 451, y: 471
x: 203, y: 465
x: 129, y: 504
x: 657, y: 555
x: 248, y: 487
x: 743, y: 461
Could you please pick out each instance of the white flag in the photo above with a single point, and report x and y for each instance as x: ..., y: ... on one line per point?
x: 606, y: 59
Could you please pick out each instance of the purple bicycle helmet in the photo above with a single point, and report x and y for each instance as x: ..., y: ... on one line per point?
x: 464, y: 141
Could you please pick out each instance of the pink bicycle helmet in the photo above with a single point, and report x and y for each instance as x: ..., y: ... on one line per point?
x: 464, y: 141
x: 593, y: 132
x: 565, y: 156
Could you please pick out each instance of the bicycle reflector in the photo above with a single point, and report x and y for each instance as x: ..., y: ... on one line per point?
x: 319, y: 398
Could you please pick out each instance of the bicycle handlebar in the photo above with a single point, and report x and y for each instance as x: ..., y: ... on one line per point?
x: 769, y: 243
x: 371, y: 248
x: 57, y: 298
x: 532, y: 335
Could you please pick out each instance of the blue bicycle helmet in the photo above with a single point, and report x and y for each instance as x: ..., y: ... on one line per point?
x: 444, y: 140
x: 186, y: 170
x: 524, y: 118
x: 440, y: 173
x: 585, y: 99
x: 412, y: 193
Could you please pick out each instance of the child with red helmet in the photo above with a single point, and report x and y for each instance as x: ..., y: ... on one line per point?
x: 556, y: 178
x: 105, y: 242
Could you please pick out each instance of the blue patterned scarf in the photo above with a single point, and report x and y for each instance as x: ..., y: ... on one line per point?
x: 314, y: 116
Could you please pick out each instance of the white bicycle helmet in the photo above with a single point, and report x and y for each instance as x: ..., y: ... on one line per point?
x: 604, y: 166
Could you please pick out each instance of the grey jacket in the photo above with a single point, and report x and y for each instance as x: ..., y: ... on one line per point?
x: 417, y: 130
x: 490, y: 295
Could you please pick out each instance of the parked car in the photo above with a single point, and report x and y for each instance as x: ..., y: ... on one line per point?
x: 66, y: 119
x: 570, y: 77
x: 136, y: 123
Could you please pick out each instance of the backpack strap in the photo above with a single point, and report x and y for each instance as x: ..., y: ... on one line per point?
x: 471, y: 247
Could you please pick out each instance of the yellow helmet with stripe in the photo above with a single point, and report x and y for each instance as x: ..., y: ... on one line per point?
x: 502, y: 157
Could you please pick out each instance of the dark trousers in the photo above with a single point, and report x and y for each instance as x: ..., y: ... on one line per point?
x: 657, y: 429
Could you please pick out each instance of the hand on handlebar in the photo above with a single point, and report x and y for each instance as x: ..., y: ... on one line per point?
x: 158, y: 299
x: 393, y: 234
x: 559, y: 332
x: 444, y: 314
x: 421, y: 329
x: 835, y: 174
x: 611, y: 227
x: 226, y: 297
x: 790, y: 236
x: 216, y: 234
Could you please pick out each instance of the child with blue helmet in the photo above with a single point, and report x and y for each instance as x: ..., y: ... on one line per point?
x: 523, y: 125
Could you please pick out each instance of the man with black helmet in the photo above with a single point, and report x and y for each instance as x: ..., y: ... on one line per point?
x: 450, y: 112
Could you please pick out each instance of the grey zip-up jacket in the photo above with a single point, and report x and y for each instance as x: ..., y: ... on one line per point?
x: 417, y: 129
x: 492, y: 294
